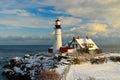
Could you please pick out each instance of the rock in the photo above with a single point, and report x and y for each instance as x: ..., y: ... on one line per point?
x: 25, y: 68
x: 26, y: 56
x: 98, y: 60
x: 115, y: 58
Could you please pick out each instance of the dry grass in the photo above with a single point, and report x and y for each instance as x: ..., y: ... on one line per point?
x: 77, y: 61
x: 48, y: 75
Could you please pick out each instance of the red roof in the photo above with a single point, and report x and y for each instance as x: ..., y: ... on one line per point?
x: 64, y: 49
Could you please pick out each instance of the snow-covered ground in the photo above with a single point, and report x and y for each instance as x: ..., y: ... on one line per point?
x: 106, y: 71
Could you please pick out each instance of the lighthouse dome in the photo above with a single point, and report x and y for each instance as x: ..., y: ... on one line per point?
x: 57, y: 22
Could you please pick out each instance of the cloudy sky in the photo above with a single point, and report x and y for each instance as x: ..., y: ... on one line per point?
x: 24, y: 22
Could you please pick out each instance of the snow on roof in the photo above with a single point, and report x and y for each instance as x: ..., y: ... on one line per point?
x: 51, y: 47
x: 89, y: 41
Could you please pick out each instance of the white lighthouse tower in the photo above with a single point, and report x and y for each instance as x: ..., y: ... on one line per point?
x: 58, y: 36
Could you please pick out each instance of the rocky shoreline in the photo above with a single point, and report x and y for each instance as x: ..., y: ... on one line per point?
x: 34, y: 67
x: 28, y: 66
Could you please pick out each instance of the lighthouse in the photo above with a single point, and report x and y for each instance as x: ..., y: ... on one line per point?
x: 58, y: 36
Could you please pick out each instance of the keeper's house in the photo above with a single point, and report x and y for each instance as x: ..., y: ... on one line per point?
x: 82, y: 45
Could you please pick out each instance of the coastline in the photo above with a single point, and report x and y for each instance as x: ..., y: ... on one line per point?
x: 80, y: 65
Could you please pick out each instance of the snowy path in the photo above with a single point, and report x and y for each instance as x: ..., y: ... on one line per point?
x: 107, y: 71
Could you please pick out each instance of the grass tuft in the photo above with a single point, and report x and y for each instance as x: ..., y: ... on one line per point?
x: 48, y: 75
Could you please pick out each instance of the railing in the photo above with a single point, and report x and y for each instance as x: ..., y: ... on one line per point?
x: 64, y: 74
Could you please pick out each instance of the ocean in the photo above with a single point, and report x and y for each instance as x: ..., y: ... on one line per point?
x: 9, y: 51
x: 110, y: 48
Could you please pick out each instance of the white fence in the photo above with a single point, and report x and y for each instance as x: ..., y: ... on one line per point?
x: 64, y: 74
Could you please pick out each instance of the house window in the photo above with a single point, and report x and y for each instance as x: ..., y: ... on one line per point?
x: 76, y: 46
x: 73, y: 45
x: 88, y: 44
